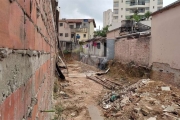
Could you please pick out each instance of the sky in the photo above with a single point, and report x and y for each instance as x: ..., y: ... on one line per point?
x: 85, y: 9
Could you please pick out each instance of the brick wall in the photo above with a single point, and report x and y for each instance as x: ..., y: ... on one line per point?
x: 27, y: 56
x: 133, y: 50
x: 163, y: 72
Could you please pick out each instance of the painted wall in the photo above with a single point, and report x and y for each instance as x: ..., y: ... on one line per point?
x: 166, y: 37
x: 93, y: 50
x: 27, y: 53
x: 91, y: 32
x: 113, y: 34
x: 64, y: 29
x: 107, y: 17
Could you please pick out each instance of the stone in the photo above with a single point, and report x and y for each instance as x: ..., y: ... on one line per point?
x: 169, y: 109
x: 137, y: 110
x: 73, y: 114
x: 62, y: 93
x: 145, y: 112
x: 152, y: 118
x: 165, y: 88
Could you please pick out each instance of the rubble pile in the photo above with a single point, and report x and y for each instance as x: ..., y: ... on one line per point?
x: 144, y: 100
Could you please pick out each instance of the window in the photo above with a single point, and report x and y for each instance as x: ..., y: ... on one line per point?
x: 98, y: 46
x: 147, y: 8
x: 61, y: 34
x: 84, y: 35
x: 153, y: 7
x: 128, y: 2
x: 71, y: 26
x: 122, y: 1
x: 147, y: 1
x: 115, y: 17
x: 72, y: 35
x: 121, y: 8
x: 115, y: 11
x: 121, y: 16
x: 116, y: 4
x: 66, y: 34
x: 127, y: 9
x: 160, y: 2
x: 61, y: 24
x: 159, y: 8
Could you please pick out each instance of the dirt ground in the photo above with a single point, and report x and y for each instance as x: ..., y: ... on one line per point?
x: 145, y: 102
x: 79, y: 92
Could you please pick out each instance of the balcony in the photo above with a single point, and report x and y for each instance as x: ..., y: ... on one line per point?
x: 137, y: 3
x: 83, y: 30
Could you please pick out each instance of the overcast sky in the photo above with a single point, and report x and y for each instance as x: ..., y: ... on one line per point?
x: 74, y: 9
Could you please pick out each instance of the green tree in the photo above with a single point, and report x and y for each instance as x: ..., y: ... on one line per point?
x: 102, y: 32
x: 147, y: 15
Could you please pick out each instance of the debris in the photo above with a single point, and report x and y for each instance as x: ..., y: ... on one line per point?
x: 169, y: 109
x: 62, y: 93
x: 165, y: 88
x: 107, y: 106
x: 145, y: 112
x: 102, y: 73
x: 114, y: 97
x: 152, y: 118
x: 73, y: 114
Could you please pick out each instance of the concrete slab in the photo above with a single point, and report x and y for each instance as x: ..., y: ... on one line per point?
x: 79, y: 75
x: 94, y: 113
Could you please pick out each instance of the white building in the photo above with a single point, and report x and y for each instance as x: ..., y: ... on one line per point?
x: 107, y: 17
x: 123, y: 9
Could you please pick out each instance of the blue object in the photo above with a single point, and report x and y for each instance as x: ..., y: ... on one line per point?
x: 78, y: 36
x: 85, y: 20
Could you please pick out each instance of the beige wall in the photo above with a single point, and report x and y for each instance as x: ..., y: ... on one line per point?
x: 166, y: 38
x: 113, y: 34
x: 91, y: 32
x: 64, y: 29
x: 82, y: 38
x: 107, y: 18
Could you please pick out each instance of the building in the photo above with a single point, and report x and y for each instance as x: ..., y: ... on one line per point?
x: 123, y: 9
x: 107, y: 17
x: 165, y: 44
x: 75, y: 30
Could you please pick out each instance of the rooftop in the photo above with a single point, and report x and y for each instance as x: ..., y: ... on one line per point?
x: 78, y: 21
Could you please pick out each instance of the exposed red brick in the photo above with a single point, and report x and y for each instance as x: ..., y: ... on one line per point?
x: 16, y: 26
x: 27, y: 95
x: 30, y: 35
x: 28, y: 6
x: 34, y: 11
x: 21, y: 3
x: 4, y: 20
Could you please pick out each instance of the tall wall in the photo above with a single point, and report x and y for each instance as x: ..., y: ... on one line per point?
x: 27, y: 55
x: 133, y: 50
x: 165, y: 45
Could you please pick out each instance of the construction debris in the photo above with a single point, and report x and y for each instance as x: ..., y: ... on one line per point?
x: 165, y: 88
x: 105, y: 82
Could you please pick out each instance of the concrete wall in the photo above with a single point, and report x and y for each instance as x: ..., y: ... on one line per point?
x: 133, y: 50
x: 94, y: 51
x: 27, y: 54
x: 165, y: 44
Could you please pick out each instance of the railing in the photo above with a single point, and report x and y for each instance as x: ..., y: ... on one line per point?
x: 137, y: 3
x: 79, y: 30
